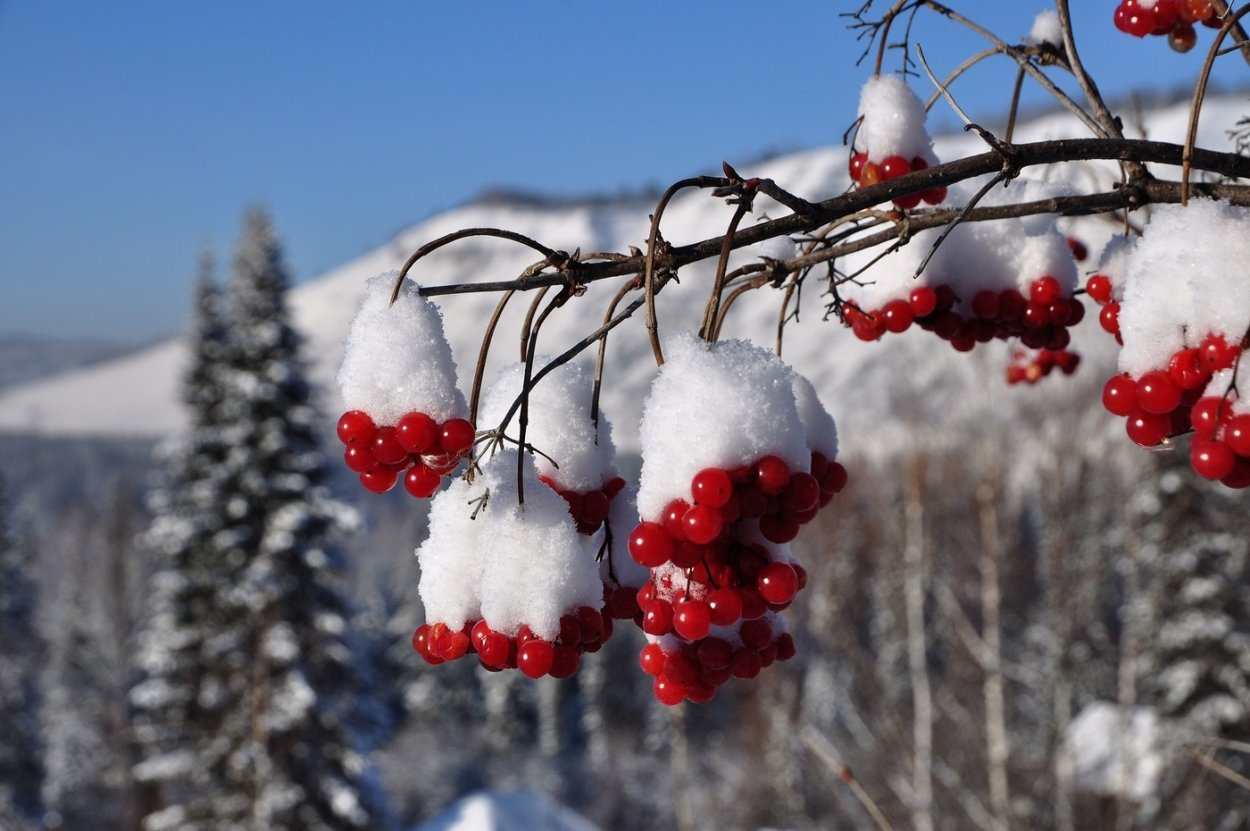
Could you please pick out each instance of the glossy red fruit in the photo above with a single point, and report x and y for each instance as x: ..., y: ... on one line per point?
x: 746, y: 664
x: 657, y: 618
x: 595, y: 507
x: 668, y: 693
x: 649, y: 545
x: 715, y: 653
x: 379, y: 479
x: 421, y: 482
x: 712, y: 487
x: 856, y: 165
x: 1109, y: 318
x: 355, y: 425
x: 1078, y: 249
x: 923, y: 301
x: 870, y: 174
x: 985, y: 304
x: 1044, y: 290
x: 1139, y: 22
x: 777, y: 583
x: 935, y: 195
x: 1240, y: 477
x: 456, y: 436
x: 1036, y: 315
x: 835, y: 478
x: 1165, y: 12
x: 1211, y: 459
x: 1206, y: 416
x: 452, y: 645
x: 417, y: 432
x: 908, y: 202
x: 1182, y: 38
x: 536, y: 658
x: 777, y: 529
x: 897, y: 315
x: 1157, y: 394
x: 386, y: 447
x: 359, y: 457
x: 1011, y: 305
x: 1216, y: 353
x: 894, y: 166
x: 1098, y: 288
x: 1237, y: 433
x: 651, y: 659
x: 702, y: 524
x: 772, y: 475
x: 680, y: 669
x: 565, y: 662
x: 692, y: 619
x: 724, y: 606
x: 1148, y: 429
x: 1185, y: 370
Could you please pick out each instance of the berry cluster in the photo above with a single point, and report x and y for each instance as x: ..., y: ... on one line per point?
x: 588, y: 508
x: 1173, y: 18
x: 710, y: 569
x: 1040, y: 321
x: 583, y: 630
x: 1168, y: 401
x: 1029, y: 367
x: 865, y: 173
x: 418, y: 447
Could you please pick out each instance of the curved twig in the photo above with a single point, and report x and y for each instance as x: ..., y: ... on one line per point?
x: 529, y: 320
x: 1200, y: 91
x: 480, y: 370
x: 711, y: 311
x: 430, y: 247
x: 603, y: 351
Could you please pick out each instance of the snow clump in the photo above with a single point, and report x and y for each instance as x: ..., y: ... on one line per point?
x: 892, y: 121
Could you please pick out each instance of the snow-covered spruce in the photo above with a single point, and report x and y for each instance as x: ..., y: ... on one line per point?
x: 575, y: 456
x: 405, y: 415
x: 513, y: 582
x: 733, y: 465
x: 1012, y: 279
x: 1184, y: 319
x: 891, y: 139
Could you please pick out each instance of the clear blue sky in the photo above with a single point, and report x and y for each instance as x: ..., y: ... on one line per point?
x: 134, y: 133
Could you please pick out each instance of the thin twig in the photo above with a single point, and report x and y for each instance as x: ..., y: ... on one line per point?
x: 433, y: 246
x: 603, y: 351
x: 529, y: 320
x: 711, y: 311
x: 823, y: 749
x: 480, y: 370
x: 967, y: 209
x: 1200, y: 91
x: 1221, y: 770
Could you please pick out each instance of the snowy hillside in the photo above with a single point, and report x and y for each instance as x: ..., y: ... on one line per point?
x: 881, y: 390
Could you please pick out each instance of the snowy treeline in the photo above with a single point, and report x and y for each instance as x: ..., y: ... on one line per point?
x: 220, y: 653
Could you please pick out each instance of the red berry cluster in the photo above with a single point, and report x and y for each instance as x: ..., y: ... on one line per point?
x: 582, y: 630
x: 1029, y: 367
x: 1174, y: 18
x: 418, y: 444
x: 1041, y: 320
x: 707, y: 570
x: 864, y: 173
x: 588, y: 508
x: 1163, y: 402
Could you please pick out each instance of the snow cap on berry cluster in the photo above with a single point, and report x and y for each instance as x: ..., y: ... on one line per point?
x: 1178, y: 290
x: 396, y: 359
x: 572, y: 452
x: 818, y: 425
x: 1113, y: 263
x: 451, y: 557
x: 618, y: 562
x: 535, y: 566
x: 892, y: 121
x: 719, y: 405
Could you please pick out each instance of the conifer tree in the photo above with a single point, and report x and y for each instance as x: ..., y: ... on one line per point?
x: 1196, y: 660
x: 21, y: 761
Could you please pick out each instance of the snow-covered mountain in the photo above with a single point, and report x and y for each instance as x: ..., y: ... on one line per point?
x: 883, y: 390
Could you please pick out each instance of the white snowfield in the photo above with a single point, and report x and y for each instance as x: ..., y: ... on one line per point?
x: 880, y: 390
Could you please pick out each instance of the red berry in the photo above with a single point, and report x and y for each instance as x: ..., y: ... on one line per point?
x: 1011, y: 305
x: 691, y: 619
x: 649, y: 545
x: 595, y: 506
x: 1206, y: 416
x: 1216, y: 353
x: 934, y: 195
x: 1157, y: 394
x: 379, y: 479
x: 421, y: 482
x: 1098, y: 288
x: 712, y: 487
x: 724, y: 606
x: 1211, y: 459
x: 870, y: 174
x: 657, y: 618
x: 457, y: 436
x: 536, y: 657
x: 1240, y: 477
x: 746, y: 664
x: 1165, y: 17
x: 355, y: 425
x: 897, y: 315
x: 908, y: 202
x: 1148, y: 429
x: 702, y: 524
x: 667, y: 692
x: 1182, y: 38
x: 1079, y: 251
x: 856, y: 165
x: 1036, y: 315
x: 1109, y: 318
x: 777, y: 583
x: 452, y: 645
x: 985, y: 304
x: 1045, y: 290
x: 756, y: 634
x: 359, y: 457
x: 777, y: 529
x: 772, y: 475
x: 715, y: 654
x: 652, y: 659
x: 565, y: 662
x: 1237, y: 433
x: 802, y: 494
x: 386, y: 447
x: 680, y: 669
x: 1139, y: 22
x: 417, y: 432
x: 835, y: 478
x: 671, y: 518
x: 923, y: 301
x: 894, y: 166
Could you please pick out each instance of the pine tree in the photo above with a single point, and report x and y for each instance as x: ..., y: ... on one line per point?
x: 182, y: 613
x: 256, y: 699
x: 1195, y: 666
x: 21, y: 762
